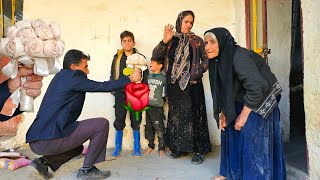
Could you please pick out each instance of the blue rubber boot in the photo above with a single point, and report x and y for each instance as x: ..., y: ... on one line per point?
x: 118, y: 145
x: 136, y: 145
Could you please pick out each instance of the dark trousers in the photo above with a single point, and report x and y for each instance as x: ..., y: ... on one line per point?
x: 154, y: 123
x: 121, y: 113
x: 59, y: 151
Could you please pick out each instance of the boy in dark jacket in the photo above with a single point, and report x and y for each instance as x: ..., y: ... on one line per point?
x: 118, y: 64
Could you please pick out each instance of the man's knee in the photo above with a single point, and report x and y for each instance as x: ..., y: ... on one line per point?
x: 103, y: 124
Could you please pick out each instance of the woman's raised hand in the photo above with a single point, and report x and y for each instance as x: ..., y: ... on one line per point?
x: 168, y: 33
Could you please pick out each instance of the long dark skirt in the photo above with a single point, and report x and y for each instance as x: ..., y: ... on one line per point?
x: 187, y: 127
x: 256, y: 151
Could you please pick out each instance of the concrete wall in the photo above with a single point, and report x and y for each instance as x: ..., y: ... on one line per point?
x: 95, y: 26
x: 279, y: 41
x: 311, y: 51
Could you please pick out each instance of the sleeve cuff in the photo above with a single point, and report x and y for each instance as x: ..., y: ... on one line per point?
x: 162, y: 43
x: 126, y: 80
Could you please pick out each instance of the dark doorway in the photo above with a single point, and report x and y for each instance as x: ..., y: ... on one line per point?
x: 296, y: 150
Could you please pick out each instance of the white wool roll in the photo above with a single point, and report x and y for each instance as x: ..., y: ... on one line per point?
x: 55, y: 28
x: 34, y: 47
x: 37, y: 23
x: 53, y: 48
x: 12, y: 47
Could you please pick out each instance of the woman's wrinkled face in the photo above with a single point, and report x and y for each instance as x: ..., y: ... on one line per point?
x: 211, y: 46
x: 187, y: 23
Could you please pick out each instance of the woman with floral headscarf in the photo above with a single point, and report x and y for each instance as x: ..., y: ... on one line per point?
x: 187, y: 127
x: 246, y: 94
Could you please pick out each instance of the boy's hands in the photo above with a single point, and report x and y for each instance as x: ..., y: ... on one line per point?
x: 135, y: 76
x: 168, y: 33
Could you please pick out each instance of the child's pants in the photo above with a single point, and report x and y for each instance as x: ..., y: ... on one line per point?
x: 121, y: 113
x: 60, y: 151
x: 154, y: 123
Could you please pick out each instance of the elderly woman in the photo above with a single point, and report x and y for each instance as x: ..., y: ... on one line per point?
x: 245, y: 93
x: 187, y: 127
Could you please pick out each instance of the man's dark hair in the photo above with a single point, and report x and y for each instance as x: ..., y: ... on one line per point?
x: 126, y: 34
x: 74, y: 56
x: 159, y: 61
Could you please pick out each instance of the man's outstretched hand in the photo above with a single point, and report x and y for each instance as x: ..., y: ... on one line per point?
x: 135, y: 76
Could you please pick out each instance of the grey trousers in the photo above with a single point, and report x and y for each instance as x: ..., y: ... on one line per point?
x: 59, y: 151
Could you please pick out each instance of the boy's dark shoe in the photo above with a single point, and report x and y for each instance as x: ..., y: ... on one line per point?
x: 197, y: 159
x: 42, y: 169
x: 93, y: 173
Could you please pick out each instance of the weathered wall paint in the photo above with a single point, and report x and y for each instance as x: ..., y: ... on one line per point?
x: 279, y: 41
x: 311, y: 53
x: 95, y: 26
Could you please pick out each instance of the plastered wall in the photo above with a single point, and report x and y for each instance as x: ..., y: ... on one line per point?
x: 94, y: 27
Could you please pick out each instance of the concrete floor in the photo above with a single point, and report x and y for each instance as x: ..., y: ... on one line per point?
x: 296, y: 157
x: 149, y: 167
x: 295, y: 153
x: 127, y: 167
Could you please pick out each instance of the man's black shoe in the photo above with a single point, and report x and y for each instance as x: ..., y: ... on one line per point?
x: 93, y: 173
x: 41, y: 168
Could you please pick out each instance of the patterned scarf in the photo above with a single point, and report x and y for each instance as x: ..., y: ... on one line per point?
x: 181, y: 64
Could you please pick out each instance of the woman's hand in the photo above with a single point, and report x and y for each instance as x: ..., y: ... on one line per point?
x: 222, y: 121
x: 242, y: 118
x: 168, y: 33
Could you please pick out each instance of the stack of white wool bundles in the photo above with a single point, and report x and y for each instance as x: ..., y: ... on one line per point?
x: 32, y: 44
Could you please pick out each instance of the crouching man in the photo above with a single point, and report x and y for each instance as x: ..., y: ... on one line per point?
x: 56, y: 134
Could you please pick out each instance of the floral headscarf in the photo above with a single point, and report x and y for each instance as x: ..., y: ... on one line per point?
x: 181, y: 65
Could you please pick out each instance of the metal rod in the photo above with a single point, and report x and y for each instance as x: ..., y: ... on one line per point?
x: 2, y: 19
x: 13, y: 6
x: 254, y: 24
x: 248, y: 31
x: 265, y: 29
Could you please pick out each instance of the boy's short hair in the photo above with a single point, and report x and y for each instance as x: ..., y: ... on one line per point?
x: 74, y: 56
x: 159, y: 61
x: 126, y: 34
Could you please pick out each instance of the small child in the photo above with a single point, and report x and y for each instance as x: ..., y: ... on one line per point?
x: 155, y: 115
